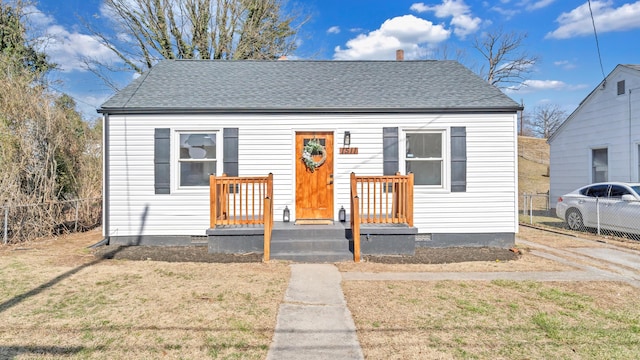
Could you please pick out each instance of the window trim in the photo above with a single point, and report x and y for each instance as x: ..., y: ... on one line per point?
x: 446, y: 156
x: 592, y: 164
x: 175, y: 156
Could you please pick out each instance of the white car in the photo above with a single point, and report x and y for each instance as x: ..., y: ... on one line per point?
x: 611, y: 206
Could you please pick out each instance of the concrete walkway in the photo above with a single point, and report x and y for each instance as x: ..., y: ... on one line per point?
x: 314, y: 322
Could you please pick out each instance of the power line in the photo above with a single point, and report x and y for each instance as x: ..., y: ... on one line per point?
x: 596, y: 36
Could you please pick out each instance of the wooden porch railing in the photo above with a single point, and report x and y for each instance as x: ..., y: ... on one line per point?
x: 243, y: 201
x: 239, y: 200
x: 380, y: 200
x: 384, y: 199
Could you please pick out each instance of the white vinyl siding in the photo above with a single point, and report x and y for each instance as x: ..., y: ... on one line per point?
x: 266, y: 145
x: 603, y: 120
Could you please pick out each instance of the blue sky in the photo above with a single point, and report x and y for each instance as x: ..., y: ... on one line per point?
x: 560, y: 33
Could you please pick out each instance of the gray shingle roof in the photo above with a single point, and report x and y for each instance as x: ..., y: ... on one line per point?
x: 632, y: 66
x: 221, y: 86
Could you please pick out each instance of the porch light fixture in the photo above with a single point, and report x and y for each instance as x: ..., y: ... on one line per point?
x: 286, y: 214
x: 347, y: 139
x: 342, y: 214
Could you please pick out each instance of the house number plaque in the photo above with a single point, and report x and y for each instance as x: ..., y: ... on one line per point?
x: 349, y: 151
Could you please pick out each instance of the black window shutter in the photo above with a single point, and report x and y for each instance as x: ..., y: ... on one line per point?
x: 230, y: 151
x: 161, y: 161
x: 390, y: 151
x: 458, y: 159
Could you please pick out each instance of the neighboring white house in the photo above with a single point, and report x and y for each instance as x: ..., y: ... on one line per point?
x: 600, y: 140
x: 437, y: 119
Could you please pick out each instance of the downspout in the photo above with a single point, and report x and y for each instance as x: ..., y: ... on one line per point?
x: 631, y: 170
x: 105, y: 178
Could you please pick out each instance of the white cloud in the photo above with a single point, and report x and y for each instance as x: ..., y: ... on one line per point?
x: 406, y: 32
x: 87, y: 103
x: 64, y: 48
x: 38, y: 18
x: 531, y: 86
x: 507, y: 13
x: 465, y: 25
x: 577, y: 22
x: 333, y: 30
x: 536, y: 5
x: 544, y: 84
x: 565, y: 64
x: 462, y: 20
x: 517, y: 8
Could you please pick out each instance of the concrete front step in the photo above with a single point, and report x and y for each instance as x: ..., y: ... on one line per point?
x: 314, y: 256
x: 309, y: 232
x: 309, y: 245
x: 313, y: 243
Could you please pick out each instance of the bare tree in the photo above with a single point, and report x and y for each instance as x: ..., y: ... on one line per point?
x: 151, y: 30
x: 507, y: 64
x: 545, y: 120
x: 448, y: 52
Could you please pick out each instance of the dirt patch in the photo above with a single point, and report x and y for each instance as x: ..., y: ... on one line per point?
x: 201, y: 254
x: 173, y: 254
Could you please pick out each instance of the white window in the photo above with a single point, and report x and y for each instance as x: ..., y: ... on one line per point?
x: 197, y: 158
x: 424, y: 157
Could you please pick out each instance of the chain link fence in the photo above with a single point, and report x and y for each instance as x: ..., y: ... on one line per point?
x: 26, y: 222
x: 600, y: 217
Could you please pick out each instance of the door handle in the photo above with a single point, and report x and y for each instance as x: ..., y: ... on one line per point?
x: 330, y: 182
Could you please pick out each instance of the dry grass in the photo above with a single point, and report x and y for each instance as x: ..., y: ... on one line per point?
x: 533, y: 175
x: 527, y: 262
x: 500, y: 319
x: 56, y: 301
x: 575, y: 239
x: 495, y: 320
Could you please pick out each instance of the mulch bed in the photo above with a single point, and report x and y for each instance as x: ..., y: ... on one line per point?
x: 200, y: 254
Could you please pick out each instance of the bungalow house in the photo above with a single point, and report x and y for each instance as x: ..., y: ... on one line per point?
x: 600, y: 140
x: 311, y: 128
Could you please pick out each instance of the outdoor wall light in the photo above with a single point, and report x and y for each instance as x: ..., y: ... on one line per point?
x: 347, y: 138
x: 342, y: 214
x: 286, y: 214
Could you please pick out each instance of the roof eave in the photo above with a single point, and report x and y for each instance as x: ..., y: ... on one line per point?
x: 156, y: 111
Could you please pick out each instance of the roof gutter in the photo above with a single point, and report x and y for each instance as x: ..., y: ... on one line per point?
x: 449, y: 110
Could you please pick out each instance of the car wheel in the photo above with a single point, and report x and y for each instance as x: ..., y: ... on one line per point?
x: 574, y: 219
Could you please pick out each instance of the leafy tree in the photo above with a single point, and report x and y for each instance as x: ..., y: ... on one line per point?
x: 13, y: 40
x: 507, y: 64
x: 151, y: 30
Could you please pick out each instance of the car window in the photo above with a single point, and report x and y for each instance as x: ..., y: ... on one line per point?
x: 617, y: 191
x: 597, y: 191
x: 636, y: 189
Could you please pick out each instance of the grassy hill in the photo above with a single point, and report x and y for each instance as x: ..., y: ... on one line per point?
x: 533, y: 165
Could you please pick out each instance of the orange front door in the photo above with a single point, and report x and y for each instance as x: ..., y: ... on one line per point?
x: 314, y: 189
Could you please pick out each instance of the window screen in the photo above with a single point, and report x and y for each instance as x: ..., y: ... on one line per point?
x: 197, y: 158
x: 600, y: 165
x: 424, y: 158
